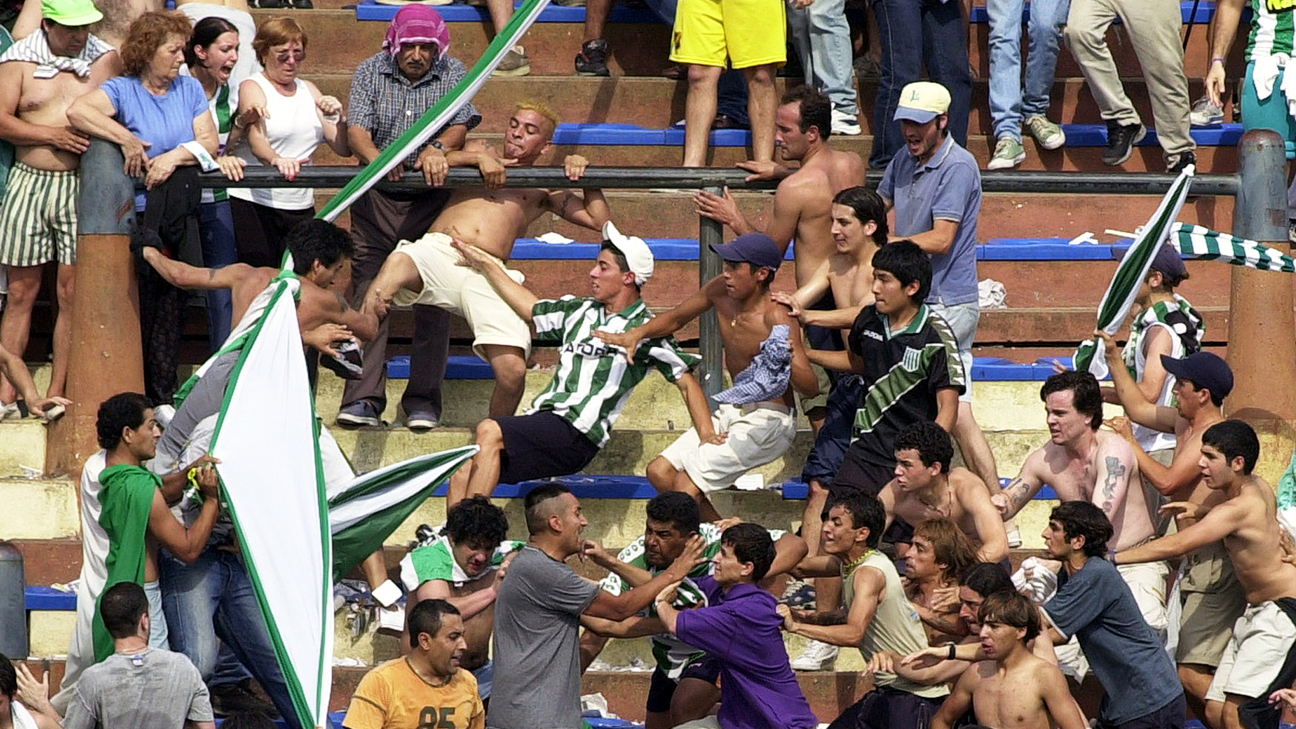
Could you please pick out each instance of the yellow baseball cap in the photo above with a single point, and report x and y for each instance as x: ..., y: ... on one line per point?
x: 71, y: 13
x: 922, y: 101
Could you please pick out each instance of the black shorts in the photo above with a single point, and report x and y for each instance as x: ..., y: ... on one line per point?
x: 859, y: 476
x: 833, y: 440
x: 662, y: 689
x: 888, y: 708
x: 541, y: 445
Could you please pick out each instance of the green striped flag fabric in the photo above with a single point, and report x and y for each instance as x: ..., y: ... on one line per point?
x: 1195, y: 241
x: 273, y: 482
x: 374, y: 505
x: 440, y: 113
x: 1133, y: 268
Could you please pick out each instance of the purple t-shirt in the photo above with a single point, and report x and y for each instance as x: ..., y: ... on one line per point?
x: 741, y: 628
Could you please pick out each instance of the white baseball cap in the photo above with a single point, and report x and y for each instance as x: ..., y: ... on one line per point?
x: 635, y: 250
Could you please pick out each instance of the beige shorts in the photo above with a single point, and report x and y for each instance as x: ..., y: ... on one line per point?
x: 1256, y: 654
x: 1212, y: 602
x: 1148, y: 583
x: 757, y: 434
x: 821, y: 400
x: 463, y: 291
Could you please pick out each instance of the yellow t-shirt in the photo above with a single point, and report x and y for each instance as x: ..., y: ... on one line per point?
x: 393, y: 696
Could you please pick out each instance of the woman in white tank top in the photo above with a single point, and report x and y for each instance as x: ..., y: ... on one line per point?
x: 292, y: 118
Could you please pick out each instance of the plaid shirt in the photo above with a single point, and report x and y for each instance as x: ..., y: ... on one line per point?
x: 387, y: 104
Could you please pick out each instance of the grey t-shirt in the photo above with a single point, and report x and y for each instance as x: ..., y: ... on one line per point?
x: 157, y: 689
x: 1096, y: 606
x: 536, y: 647
x: 947, y: 187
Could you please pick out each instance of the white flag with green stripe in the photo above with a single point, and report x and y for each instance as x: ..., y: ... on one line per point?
x: 440, y: 113
x: 273, y: 482
x: 1202, y: 243
x: 1131, y: 272
x: 374, y: 505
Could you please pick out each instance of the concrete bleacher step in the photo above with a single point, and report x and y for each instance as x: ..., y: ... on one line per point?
x: 639, y: 48
x: 658, y: 102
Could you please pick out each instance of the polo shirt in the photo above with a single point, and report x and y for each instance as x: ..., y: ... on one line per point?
x: 902, y: 372
x: 947, y: 187
x: 742, y: 629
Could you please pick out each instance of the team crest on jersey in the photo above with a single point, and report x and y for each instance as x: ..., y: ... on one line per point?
x: 912, y: 359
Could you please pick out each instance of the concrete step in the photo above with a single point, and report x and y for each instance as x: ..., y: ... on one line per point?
x: 638, y: 49
x: 659, y: 102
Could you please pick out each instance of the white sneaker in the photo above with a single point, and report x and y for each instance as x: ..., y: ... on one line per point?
x: 845, y: 124
x: 817, y: 656
x: 10, y: 411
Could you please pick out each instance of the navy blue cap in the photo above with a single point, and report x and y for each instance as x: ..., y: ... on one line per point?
x: 1168, y: 261
x: 758, y: 249
x: 1204, y: 369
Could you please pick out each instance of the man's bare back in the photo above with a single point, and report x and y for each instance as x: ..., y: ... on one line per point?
x: 118, y: 16
x: 45, y: 102
x: 1011, y: 698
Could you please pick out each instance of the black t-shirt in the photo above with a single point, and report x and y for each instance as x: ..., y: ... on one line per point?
x: 902, y: 373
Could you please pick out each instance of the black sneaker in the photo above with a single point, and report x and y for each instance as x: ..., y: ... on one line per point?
x: 1185, y: 159
x: 269, y: 4
x: 592, y: 60
x: 1121, y: 139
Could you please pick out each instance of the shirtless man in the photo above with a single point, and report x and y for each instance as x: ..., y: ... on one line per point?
x: 802, y: 205
x: 753, y: 430
x: 1077, y: 458
x: 465, y: 566
x: 925, y: 488
x: 426, y: 271
x: 934, y: 563
x: 1013, y: 689
x: 321, y: 254
x: 1259, y: 658
x: 38, y: 219
x: 1213, y: 599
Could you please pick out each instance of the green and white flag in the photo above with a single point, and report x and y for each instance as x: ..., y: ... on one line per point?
x: 374, y: 505
x: 273, y: 482
x: 1202, y: 243
x: 1133, y: 268
x: 440, y: 113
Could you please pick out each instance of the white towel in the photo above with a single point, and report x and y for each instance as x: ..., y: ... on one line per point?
x: 35, y: 49
x: 1265, y: 73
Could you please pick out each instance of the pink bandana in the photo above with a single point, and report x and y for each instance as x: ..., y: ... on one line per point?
x: 417, y: 24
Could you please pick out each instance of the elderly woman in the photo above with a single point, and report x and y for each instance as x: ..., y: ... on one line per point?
x: 287, y: 119
x: 160, y: 120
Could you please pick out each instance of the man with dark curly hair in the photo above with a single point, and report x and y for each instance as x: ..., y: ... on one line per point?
x: 464, y: 565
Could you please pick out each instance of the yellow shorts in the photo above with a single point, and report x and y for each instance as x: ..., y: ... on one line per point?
x: 746, y: 32
x: 465, y: 292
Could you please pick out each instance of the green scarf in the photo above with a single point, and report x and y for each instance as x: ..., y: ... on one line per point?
x: 126, y: 498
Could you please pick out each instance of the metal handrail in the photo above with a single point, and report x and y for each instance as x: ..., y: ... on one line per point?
x: 714, y: 180
x: 688, y: 178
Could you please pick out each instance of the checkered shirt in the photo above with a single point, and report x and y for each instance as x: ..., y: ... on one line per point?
x: 387, y: 104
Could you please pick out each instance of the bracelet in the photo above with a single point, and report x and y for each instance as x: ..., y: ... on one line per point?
x: 333, y: 118
x: 951, y: 647
x: 1218, y: 60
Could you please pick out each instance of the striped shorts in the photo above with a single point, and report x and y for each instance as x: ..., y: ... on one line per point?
x: 38, y: 219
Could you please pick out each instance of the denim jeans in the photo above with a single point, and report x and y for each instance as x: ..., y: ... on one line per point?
x: 919, y: 34
x: 211, y: 598
x: 216, y: 229
x: 821, y: 37
x: 1008, y: 104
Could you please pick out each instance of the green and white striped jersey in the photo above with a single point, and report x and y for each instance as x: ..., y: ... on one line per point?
x: 1273, y: 28
x: 435, y: 561
x: 594, y: 378
x: 674, y: 655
